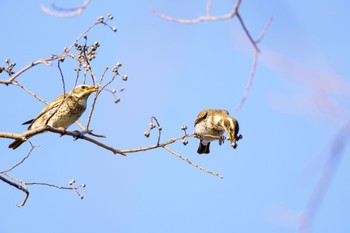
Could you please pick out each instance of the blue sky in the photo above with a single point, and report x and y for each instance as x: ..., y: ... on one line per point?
x: 297, y: 105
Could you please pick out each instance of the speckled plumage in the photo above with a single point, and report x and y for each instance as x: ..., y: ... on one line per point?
x: 213, y: 123
x: 62, y: 112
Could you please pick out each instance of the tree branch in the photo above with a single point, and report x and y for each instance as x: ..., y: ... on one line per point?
x: 71, y: 11
x: 200, y: 19
x: 253, y: 68
x: 192, y: 163
x: 19, y: 187
x: 338, y: 146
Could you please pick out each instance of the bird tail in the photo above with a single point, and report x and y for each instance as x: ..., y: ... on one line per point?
x: 16, y: 144
x: 203, y: 149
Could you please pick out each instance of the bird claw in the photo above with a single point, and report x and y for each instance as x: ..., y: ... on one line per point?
x: 78, y: 134
x: 63, y: 131
x: 199, y: 136
x: 239, y: 137
x: 222, y: 140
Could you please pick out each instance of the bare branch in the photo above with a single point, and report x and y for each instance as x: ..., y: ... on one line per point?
x: 263, y: 32
x: 72, y: 11
x: 19, y: 187
x: 253, y: 68
x: 116, y: 151
x: 319, y: 192
x: 62, y: 77
x: 75, y: 189
x: 98, y: 93
x: 13, y: 77
x: 233, y: 13
x: 24, y: 135
x: 30, y: 92
x: 192, y: 163
x: 19, y: 163
x: 159, y: 129
x: 83, y: 59
x: 208, y: 8
x: 200, y: 19
x: 250, y: 81
x: 247, y: 32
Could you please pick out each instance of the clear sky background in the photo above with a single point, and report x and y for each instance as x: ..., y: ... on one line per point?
x: 297, y: 105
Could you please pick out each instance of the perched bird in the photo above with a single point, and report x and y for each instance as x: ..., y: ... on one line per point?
x: 62, y: 112
x: 211, y: 124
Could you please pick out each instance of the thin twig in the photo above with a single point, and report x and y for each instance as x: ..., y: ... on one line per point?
x: 158, y: 128
x: 30, y: 92
x: 192, y: 163
x: 200, y: 18
x: 245, y: 29
x: 74, y: 188
x: 250, y: 81
x: 81, y: 36
x: 97, y: 94
x: 336, y: 154
x: 13, y: 77
x: 20, y: 162
x: 19, y: 187
x: 253, y: 68
x: 208, y: 7
x: 263, y: 32
x: 62, y: 77
x: 72, y: 11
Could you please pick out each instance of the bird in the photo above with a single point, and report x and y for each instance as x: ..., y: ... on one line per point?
x: 61, y: 112
x: 211, y: 124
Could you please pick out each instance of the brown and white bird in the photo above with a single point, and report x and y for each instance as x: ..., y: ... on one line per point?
x: 211, y: 124
x: 62, y: 112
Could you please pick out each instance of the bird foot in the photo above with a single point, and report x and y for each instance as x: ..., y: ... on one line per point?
x: 199, y: 136
x: 79, y: 134
x: 239, y: 137
x: 222, y: 140
x: 63, y: 131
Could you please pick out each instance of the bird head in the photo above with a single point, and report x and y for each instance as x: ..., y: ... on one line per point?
x: 231, y: 127
x: 83, y: 90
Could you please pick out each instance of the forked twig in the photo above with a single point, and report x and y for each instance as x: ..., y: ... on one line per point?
x: 253, y: 68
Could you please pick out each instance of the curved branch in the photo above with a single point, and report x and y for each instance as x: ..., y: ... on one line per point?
x: 19, y: 187
x: 20, y: 162
x: 200, y: 19
x: 253, y: 68
x: 13, y: 77
x: 71, y: 11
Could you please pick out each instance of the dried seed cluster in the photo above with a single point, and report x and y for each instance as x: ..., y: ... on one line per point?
x: 9, y: 67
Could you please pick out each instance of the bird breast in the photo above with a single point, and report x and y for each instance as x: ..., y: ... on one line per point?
x: 210, y: 127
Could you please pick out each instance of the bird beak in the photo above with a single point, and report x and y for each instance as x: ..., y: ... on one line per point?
x: 232, y: 140
x: 92, y: 89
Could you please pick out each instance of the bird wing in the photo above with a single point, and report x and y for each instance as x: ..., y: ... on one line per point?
x: 201, y: 116
x: 226, y: 112
x: 49, y: 107
x: 236, y: 128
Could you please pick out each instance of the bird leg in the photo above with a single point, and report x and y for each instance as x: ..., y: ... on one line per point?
x: 62, y: 129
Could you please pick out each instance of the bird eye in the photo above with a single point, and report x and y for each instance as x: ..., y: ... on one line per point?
x: 83, y: 87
